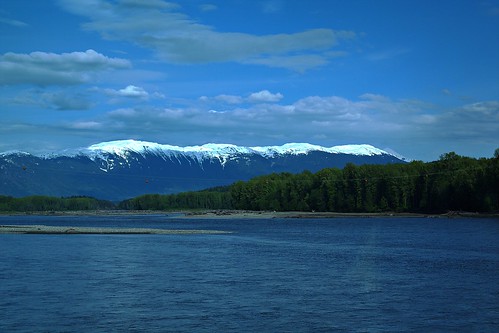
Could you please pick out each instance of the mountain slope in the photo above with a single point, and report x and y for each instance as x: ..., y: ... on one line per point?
x: 122, y: 169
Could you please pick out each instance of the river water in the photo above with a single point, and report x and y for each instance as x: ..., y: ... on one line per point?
x: 274, y: 275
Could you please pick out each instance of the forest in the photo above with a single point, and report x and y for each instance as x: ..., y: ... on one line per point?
x: 453, y: 183
x: 47, y: 203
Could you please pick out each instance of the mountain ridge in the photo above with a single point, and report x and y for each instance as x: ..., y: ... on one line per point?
x: 117, y: 170
x: 213, y: 149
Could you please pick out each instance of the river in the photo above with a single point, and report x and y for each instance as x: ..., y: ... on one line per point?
x: 269, y: 275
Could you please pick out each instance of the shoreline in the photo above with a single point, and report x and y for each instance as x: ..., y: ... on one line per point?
x: 193, y: 215
x: 228, y: 214
x: 242, y: 214
x: 70, y: 230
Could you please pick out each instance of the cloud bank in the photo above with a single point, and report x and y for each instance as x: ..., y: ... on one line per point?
x: 44, y: 69
x: 176, y: 38
x: 263, y: 117
x: 371, y: 118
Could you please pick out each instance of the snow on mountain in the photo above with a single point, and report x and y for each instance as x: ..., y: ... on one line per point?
x: 222, y: 152
x: 10, y: 156
x: 123, y: 148
x: 305, y: 148
x: 14, y: 152
x: 397, y: 155
x: 117, y: 170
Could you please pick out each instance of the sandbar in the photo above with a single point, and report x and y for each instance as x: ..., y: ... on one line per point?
x: 244, y: 214
x: 67, y: 230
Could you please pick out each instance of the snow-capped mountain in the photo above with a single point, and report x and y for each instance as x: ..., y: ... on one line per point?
x: 117, y: 170
x: 223, y: 152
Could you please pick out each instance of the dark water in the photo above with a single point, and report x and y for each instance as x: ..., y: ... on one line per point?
x: 296, y: 275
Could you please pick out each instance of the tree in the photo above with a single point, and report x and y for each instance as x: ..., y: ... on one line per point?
x: 452, y: 183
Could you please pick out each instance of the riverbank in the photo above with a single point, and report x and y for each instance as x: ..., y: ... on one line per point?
x: 233, y: 214
x: 101, y: 212
x: 65, y: 230
x: 241, y: 214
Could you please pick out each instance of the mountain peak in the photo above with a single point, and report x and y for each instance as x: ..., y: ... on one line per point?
x: 121, y: 147
x: 116, y: 170
x: 14, y: 152
x: 220, y: 151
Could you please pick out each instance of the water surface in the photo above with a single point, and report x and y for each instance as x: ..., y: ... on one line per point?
x: 276, y: 275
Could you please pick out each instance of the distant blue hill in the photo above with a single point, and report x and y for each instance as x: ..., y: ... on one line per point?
x: 123, y: 169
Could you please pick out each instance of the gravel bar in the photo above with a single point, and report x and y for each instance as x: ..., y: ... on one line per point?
x: 65, y: 230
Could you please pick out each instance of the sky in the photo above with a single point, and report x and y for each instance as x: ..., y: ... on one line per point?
x: 418, y: 77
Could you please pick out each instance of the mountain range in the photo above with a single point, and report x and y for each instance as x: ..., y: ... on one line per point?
x: 123, y: 169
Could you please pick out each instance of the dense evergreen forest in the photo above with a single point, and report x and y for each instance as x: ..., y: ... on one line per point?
x: 45, y: 203
x: 453, y: 183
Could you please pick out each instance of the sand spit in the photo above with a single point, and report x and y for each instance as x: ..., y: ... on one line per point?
x: 65, y: 230
x: 234, y: 214
x: 238, y: 214
x: 111, y: 212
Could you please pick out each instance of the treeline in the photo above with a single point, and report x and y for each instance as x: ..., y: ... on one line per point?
x: 218, y: 198
x: 47, y: 203
x: 453, y: 183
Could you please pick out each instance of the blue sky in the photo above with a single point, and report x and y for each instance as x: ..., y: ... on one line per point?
x: 418, y: 77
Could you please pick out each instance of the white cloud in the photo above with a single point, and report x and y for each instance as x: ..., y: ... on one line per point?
x: 334, y: 119
x: 485, y: 108
x: 264, y: 96
x: 176, y: 38
x: 132, y: 91
x: 331, y: 106
x: 45, y: 69
x: 325, y: 117
x: 327, y: 120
